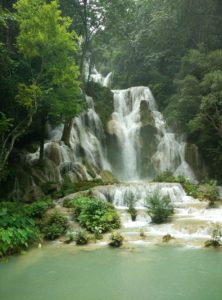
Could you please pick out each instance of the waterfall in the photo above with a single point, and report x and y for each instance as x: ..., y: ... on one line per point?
x: 99, y: 78
x: 137, y: 143
x: 135, y: 110
x: 86, y: 155
x: 118, y: 194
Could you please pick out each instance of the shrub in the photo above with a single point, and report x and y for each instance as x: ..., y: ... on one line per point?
x: 159, y: 207
x: 69, y: 238
x: 130, y: 201
x: 17, y: 232
x: 215, y: 240
x: 81, y: 237
x: 190, y: 188
x: 210, y: 192
x: 166, y: 176
x: 56, y: 225
x: 95, y: 215
x: 39, y: 208
x: 116, y: 240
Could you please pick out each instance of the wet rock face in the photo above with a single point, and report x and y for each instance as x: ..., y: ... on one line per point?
x: 148, y: 144
x: 33, y: 193
x: 55, y: 153
x: 194, y: 159
x: 146, y: 116
x: 148, y: 140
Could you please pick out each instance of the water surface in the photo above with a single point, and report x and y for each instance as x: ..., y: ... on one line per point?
x: 141, y: 273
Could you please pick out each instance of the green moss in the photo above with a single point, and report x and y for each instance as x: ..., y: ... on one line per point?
x: 107, y: 177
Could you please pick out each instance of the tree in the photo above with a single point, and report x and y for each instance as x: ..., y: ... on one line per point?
x: 196, y: 107
x: 15, y: 115
x: 49, y: 50
x: 92, y: 18
x: 87, y: 18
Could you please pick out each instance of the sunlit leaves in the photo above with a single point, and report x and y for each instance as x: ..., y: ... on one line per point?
x: 28, y: 95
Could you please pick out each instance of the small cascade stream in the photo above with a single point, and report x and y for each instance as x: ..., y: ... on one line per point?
x: 191, y: 224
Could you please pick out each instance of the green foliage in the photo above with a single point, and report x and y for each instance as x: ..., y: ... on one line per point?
x: 81, y: 237
x: 210, y: 192
x: 55, y: 226
x: 17, y: 231
x: 130, y: 202
x: 95, y: 215
x: 207, y: 191
x: 190, y: 188
x: 39, y: 208
x: 69, y: 187
x: 159, y: 207
x: 196, y: 107
x: 116, y: 240
x: 69, y: 237
x: 48, y: 48
x: 215, y: 240
x: 166, y: 176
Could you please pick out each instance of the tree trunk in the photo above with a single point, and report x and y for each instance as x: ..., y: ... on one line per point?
x: 67, y: 132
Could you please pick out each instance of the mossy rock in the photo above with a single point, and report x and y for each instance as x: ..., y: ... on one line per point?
x: 107, y: 177
x: 33, y: 193
x: 103, y: 99
x: 146, y: 116
x: 213, y: 243
x: 51, y: 187
x: 167, y: 238
x: 91, y: 169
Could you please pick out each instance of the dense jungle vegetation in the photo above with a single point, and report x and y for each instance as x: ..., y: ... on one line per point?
x: 172, y: 46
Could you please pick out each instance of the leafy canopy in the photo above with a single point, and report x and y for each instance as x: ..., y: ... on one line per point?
x: 49, y: 49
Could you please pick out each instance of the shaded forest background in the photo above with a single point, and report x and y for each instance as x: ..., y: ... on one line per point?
x: 172, y: 46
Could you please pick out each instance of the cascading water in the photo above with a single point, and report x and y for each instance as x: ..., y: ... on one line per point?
x: 86, y: 148
x: 140, y: 155
x: 192, y: 222
x: 141, y: 147
x: 127, y: 122
x: 99, y: 78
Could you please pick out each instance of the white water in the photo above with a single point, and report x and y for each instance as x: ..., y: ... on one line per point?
x: 86, y: 147
x: 126, y: 125
x: 192, y: 220
x: 99, y: 78
x: 88, y: 143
